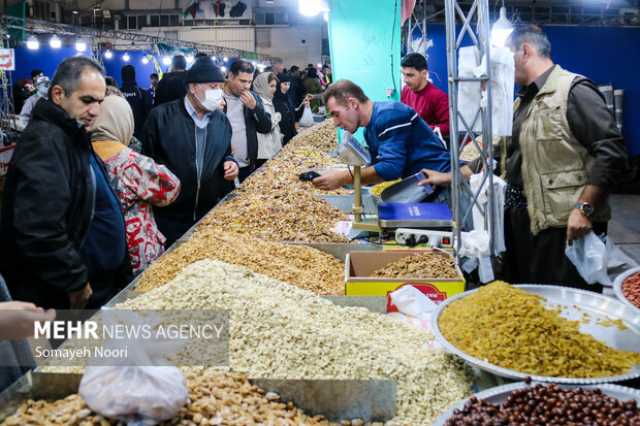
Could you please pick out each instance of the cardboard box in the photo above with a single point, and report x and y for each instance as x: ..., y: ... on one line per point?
x: 360, y: 265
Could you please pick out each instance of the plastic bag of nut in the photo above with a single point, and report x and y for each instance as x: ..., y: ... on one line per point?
x: 138, y: 390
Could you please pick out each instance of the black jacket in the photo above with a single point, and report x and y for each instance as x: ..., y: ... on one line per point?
x: 173, y: 86
x: 140, y: 103
x: 47, y: 209
x: 256, y: 121
x: 169, y: 138
x: 290, y: 115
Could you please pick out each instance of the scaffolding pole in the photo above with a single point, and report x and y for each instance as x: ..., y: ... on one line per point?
x: 460, y: 23
x: 416, y: 21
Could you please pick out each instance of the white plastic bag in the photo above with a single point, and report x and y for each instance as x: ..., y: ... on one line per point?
x: 469, y: 92
x: 414, y: 308
x: 140, y: 392
x: 471, y: 96
x: 307, y: 118
x: 589, y: 255
x: 412, y: 302
x: 476, y: 245
x: 502, y: 87
x: 136, y: 395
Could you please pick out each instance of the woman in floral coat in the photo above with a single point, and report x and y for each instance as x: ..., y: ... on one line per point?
x: 138, y: 181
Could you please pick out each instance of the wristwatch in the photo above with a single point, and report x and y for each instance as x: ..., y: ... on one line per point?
x: 585, y: 208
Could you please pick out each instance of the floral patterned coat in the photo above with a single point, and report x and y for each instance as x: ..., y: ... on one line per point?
x: 140, y: 184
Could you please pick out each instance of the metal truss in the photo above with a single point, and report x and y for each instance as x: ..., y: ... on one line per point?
x: 135, y: 37
x: 470, y: 23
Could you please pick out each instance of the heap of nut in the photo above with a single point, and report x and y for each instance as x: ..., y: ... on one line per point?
x: 422, y: 265
x: 299, y: 265
x: 631, y: 289
x: 279, y: 331
x: 214, y: 399
x: 275, y: 205
x: 546, y: 405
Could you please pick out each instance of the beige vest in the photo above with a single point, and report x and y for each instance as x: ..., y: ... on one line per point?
x: 555, y: 166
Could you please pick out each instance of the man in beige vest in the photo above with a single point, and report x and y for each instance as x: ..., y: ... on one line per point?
x: 564, y: 157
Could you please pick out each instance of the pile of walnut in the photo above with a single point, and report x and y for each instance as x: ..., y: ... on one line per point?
x: 275, y: 205
x: 426, y: 265
x: 302, y: 266
x: 215, y: 399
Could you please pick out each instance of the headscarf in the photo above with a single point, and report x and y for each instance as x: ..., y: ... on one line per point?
x: 261, y: 85
x: 114, y: 124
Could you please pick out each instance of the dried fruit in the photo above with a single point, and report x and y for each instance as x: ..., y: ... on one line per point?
x: 631, y: 289
x: 511, y: 328
x: 549, y: 405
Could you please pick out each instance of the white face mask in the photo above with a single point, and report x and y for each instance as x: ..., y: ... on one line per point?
x: 211, y: 100
x: 43, y: 91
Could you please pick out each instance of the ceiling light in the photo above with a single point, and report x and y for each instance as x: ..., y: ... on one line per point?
x: 223, y: 68
x: 55, y: 42
x: 145, y: 60
x: 108, y: 54
x: 126, y: 57
x: 33, y: 43
x: 166, y: 60
x: 312, y: 7
x: 81, y: 45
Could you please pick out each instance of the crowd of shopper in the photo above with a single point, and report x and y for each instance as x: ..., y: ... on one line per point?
x: 106, y: 176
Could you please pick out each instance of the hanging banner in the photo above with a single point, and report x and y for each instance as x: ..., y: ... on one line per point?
x: 216, y: 9
x: 7, y: 60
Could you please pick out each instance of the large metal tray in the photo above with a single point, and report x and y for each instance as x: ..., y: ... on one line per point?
x: 617, y: 289
x: 370, y: 400
x: 574, y: 305
x: 499, y: 394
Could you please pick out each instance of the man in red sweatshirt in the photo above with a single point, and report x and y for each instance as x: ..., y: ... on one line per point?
x: 424, y: 97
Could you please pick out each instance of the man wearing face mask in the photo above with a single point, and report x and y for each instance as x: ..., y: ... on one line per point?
x: 42, y: 91
x: 192, y: 137
x: 50, y: 193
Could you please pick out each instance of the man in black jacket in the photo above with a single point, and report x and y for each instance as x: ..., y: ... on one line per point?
x: 173, y: 85
x: 247, y: 116
x: 49, y: 193
x: 139, y: 100
x: 192, y: 137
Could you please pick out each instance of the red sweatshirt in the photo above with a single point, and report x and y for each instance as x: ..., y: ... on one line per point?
x: 431, y: 103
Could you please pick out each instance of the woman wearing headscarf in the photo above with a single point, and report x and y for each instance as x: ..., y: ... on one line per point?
x: 269, y: 144
x: 289, y: 112
x: 138, y: 181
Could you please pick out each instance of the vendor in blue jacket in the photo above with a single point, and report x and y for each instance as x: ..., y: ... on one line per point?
x: 400, y: 142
